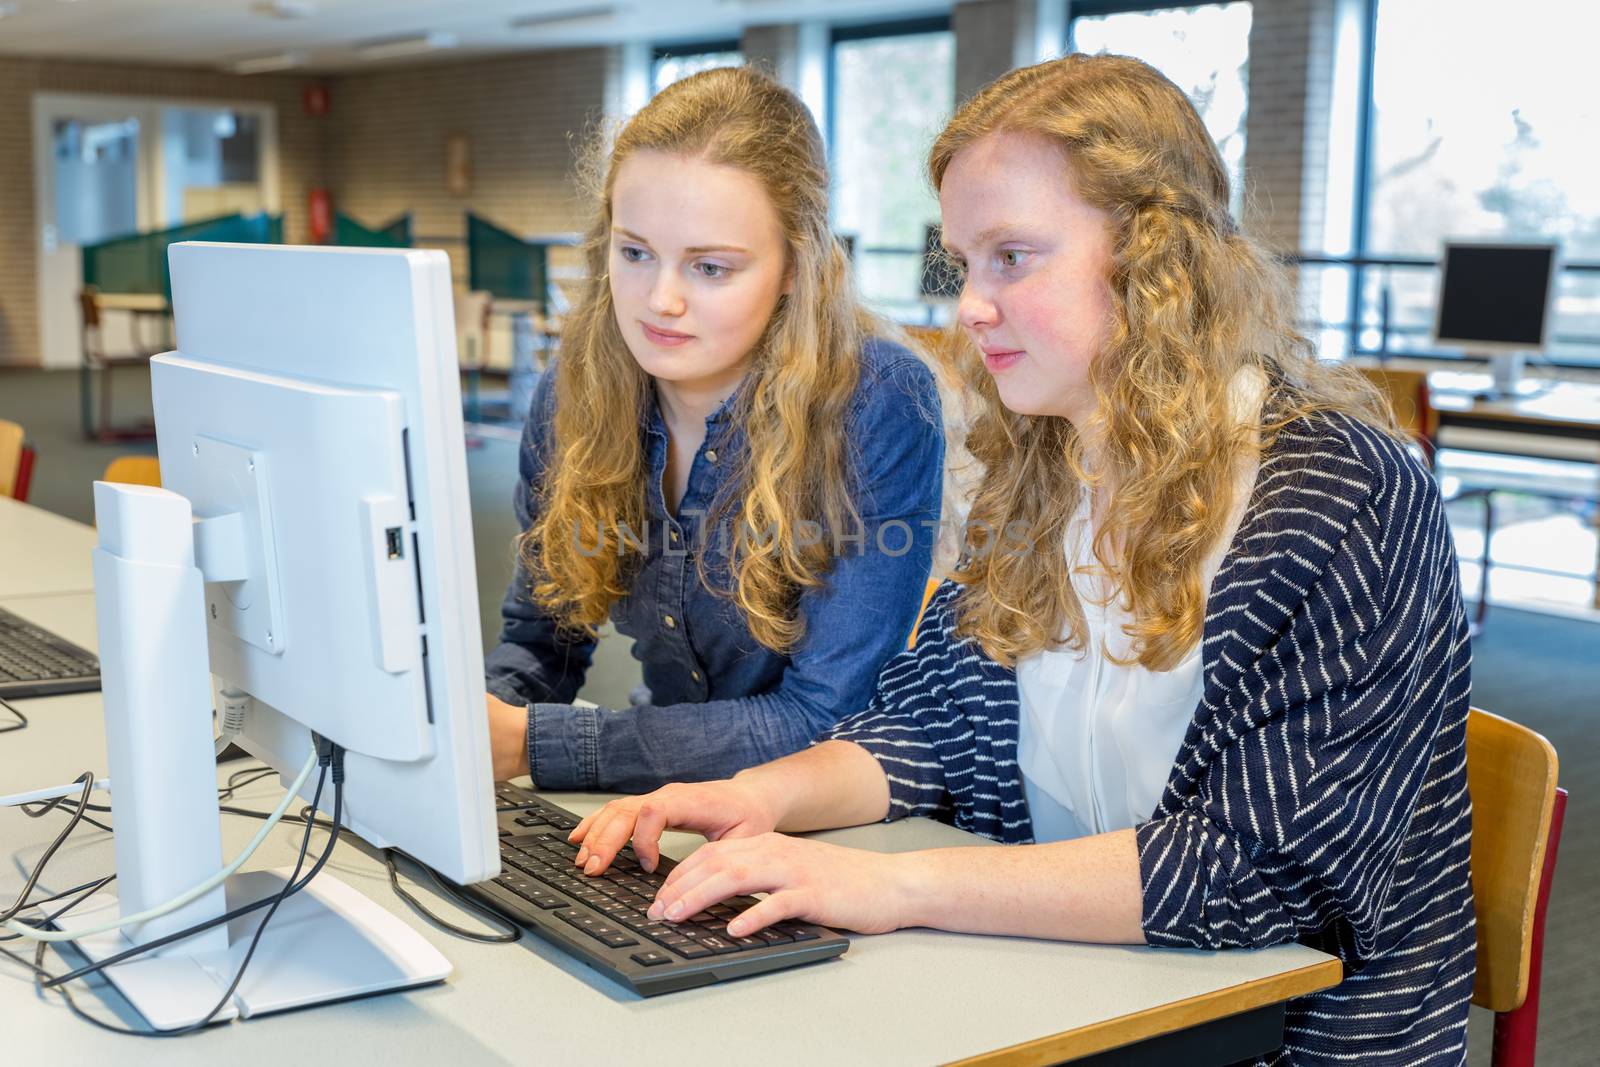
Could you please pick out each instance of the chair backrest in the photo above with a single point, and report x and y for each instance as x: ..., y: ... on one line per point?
x: 1408, y: 396
x: 11, y: 436
x: 90, y: 307
x: 133, y: 470
x: 1511, y: 774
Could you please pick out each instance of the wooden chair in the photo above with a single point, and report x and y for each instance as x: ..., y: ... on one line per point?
x: 1517, y: 811
x: 133, y: 470
x: 927, y: 595
x: 96, y: 357
x: 16, y: 461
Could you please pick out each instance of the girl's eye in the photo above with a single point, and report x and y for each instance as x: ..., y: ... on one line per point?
x: 632, y: 253
x: 712, y: 270
x: 1012, y: 257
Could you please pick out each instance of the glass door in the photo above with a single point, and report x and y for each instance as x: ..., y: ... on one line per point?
x: 93, y: 159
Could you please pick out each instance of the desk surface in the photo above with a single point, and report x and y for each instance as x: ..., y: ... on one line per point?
x: 42, y: 553
x: 154, y: 303
x: 1540, y: 404
x: 916, y: 996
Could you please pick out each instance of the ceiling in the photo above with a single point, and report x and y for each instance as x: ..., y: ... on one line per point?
x: 328, y: 35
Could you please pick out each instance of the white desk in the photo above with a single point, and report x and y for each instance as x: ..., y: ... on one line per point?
x: 912, y: 997
x: 42, y: 553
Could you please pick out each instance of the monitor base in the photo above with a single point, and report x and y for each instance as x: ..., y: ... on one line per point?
x: 325, y: 943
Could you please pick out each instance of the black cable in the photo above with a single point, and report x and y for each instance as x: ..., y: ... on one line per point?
x: 86, y: 779
x: 22, y: 720
x: 513, y: 934
x: 291, y: 886
x: 78, y: 807
x: 234, y: 785
x: 242, y: 910
x: 91, y: 887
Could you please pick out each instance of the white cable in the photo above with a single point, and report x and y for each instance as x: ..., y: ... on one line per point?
x: 50, y: 794
x: 35, y: 934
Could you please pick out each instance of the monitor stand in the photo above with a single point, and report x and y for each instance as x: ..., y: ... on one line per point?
x: 325, y: 943
x: 1505, y: 370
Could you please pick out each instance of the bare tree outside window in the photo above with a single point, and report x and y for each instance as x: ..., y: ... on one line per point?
x: 1485, y: 133
x: 1205, y: 50
x: 893, y: 94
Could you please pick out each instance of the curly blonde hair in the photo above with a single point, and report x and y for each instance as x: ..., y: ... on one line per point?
x: 1193, y: 302
x: 796, y: 469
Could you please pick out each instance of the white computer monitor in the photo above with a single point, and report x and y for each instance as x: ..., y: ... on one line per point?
x: 1496, y: 301
x: 310, y: 421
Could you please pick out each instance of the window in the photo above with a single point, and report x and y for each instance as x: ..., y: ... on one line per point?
x: 893, y: 90
x: 1204, y: 49
x: 1480, y: 135
x: 679, y: 61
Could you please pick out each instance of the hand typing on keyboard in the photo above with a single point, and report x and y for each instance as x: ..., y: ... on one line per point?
x: 807, y: 880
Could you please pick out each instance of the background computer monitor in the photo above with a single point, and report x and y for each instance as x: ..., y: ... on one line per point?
x: 316, y: 392
x: 1495, y: 297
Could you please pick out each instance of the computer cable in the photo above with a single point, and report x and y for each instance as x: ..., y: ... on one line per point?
x: 22, y: 720
x: 44, y: 980
x: 89, y: 888
x: 36, y: 811
x: 242, y: 910
x: 513, y: 932
x: 183, y: 898
x: 86, y: 781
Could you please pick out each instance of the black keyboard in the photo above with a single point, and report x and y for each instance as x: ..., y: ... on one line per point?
x: 602, y: 921
x: 36, y: 663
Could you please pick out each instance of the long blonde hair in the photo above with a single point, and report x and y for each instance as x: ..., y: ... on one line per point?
x: 1193, y: 302
x: 796, y: 468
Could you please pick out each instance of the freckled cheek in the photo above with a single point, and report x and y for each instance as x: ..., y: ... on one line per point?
x: 737, y: 316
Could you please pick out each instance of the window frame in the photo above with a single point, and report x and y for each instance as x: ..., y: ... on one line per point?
x: 682, y: 49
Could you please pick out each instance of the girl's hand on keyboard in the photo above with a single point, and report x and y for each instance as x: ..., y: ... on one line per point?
x: 718, y: 810
x: 807, y: 880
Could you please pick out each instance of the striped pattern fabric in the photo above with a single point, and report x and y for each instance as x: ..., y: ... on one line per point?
x: 1320, y: 794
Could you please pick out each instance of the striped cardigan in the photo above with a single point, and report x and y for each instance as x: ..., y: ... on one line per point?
x: 1320, y: 794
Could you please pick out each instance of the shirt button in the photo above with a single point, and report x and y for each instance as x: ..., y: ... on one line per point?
x: 672, y: 624
x: 695, y: 675
x: 674, y: 536
x: 711, y: 454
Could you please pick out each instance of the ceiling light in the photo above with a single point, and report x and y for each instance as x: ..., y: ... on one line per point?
x: 406, y: 46
x: 556, y: 18
x: 267, y: 64
x: 283, y: 9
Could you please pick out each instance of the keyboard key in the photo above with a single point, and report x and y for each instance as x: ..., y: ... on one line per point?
x: 691, y: 950
x: 617, y: 939
x: 651, y: 958
x: 719, y: 945
x: 798, y: 933
x: 747, y: 942
x: 773, y: 937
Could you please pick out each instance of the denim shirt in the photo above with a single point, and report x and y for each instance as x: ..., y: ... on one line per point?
x: 720, y: 701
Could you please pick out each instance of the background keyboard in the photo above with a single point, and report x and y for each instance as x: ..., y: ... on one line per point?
x: 36, y: 663
x: 602, y: 921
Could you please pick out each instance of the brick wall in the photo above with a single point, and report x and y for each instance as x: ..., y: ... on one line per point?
x: 775, y: 49
x: 299, y: 155
x: 522, y: 117
x: 1286, y: 130
x: 992, y: 36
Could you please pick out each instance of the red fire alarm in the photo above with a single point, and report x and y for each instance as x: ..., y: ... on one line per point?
x: 315, y: 99
x: 319, y: 210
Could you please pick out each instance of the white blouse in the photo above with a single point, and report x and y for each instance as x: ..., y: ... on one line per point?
x: 1096, y: 740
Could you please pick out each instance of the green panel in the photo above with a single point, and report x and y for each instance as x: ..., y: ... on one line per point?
x: 504, y: 264
x: 347, y: 231
x: 138, y: 263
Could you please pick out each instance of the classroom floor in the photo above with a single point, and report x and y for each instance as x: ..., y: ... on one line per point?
x: 1541, y: 669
